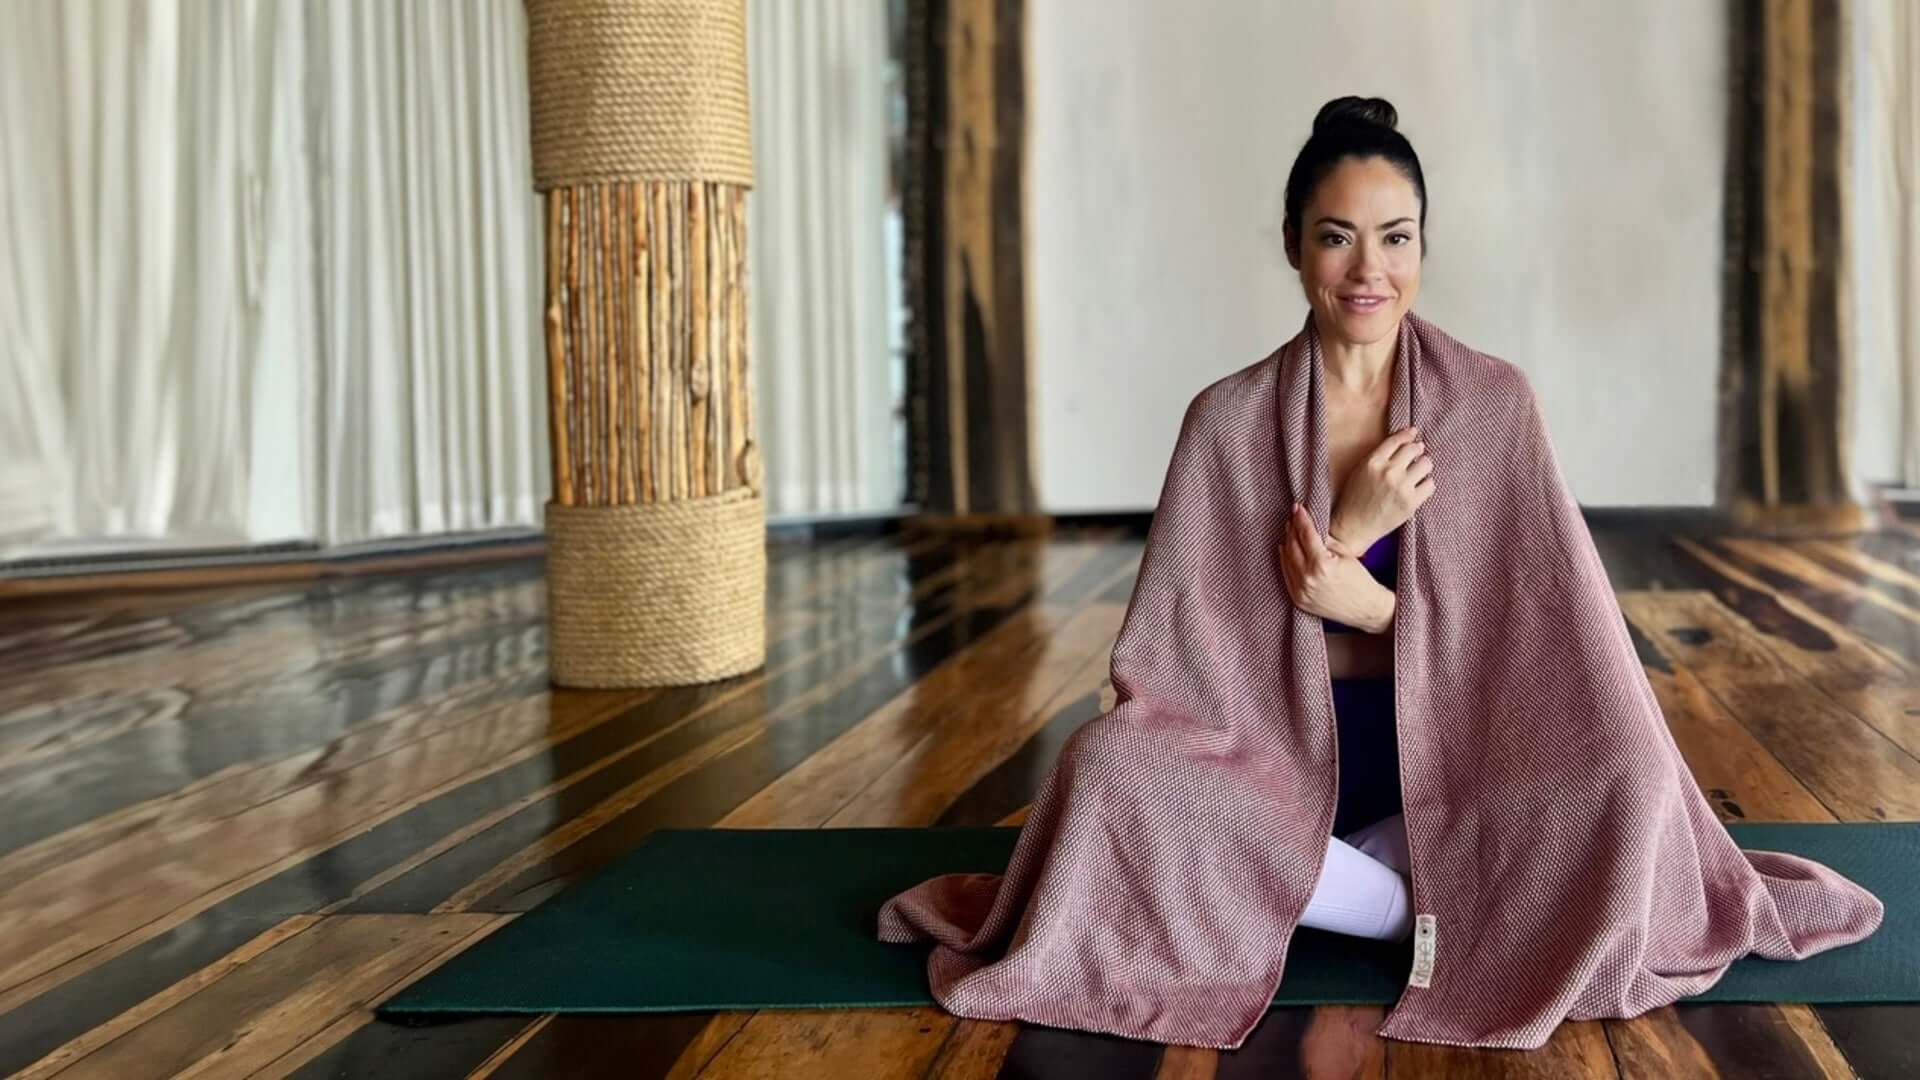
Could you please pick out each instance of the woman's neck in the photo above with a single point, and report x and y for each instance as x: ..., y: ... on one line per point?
x: 1358, y: 368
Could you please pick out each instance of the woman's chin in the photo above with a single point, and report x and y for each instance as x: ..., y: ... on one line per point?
x: 1366, y: 328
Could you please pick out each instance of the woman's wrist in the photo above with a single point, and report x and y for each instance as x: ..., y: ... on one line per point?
x: 1351, y: 535
x: 1383, y: 613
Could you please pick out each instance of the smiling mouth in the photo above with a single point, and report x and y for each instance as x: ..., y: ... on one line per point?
x: 1364, y: 303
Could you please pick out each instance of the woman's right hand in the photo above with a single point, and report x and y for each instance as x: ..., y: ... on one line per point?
x: 1383, y: 490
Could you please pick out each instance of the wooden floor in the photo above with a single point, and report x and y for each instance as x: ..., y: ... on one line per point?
x: 231, y: 820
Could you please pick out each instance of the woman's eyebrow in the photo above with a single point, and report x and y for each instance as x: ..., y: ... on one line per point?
x: 1350, y: 225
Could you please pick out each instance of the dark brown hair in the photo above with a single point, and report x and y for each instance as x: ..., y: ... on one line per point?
x: 1352, y: 127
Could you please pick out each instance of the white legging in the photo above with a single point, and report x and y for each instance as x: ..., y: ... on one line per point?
x: 1362, y: 889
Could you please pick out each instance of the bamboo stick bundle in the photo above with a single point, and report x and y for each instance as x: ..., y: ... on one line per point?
x: 656, y: 565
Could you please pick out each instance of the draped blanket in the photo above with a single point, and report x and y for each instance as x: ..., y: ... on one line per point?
x: 1564, y: 862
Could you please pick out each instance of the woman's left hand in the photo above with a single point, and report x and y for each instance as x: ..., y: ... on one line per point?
x: 1326, y: 578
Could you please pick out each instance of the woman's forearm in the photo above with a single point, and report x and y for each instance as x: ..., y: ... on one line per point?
x: 1367, y: 655
x: 1347, y: 533
x: 1385, y: 604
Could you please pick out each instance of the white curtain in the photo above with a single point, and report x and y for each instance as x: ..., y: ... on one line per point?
x: 145, y: 148
x: 271, y: 270
x: 429, y: 254
x: 1897, y: 73
x: 817, y: 256
x: 265, y: 273
x: 1883, y: 237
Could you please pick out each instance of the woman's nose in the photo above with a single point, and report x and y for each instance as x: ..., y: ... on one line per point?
x: 1371, y: 262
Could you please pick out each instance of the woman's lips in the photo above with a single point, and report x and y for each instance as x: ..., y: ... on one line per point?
x: 1361, y: 305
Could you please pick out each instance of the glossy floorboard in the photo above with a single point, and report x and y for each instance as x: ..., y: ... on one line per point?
x: 231, y: 819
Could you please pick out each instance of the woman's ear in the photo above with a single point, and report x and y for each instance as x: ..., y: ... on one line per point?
x: 1292, y: 244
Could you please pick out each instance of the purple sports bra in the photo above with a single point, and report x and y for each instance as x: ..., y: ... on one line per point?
x: 1383, y: 561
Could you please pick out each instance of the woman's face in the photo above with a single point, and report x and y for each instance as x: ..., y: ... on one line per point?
x: 1358, y: 251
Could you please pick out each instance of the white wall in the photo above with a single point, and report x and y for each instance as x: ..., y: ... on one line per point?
x: 1573, y: 156
x: 1884, y: 253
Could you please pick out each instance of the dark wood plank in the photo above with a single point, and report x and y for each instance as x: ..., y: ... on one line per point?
x: 877, y: 1043
x: 263, y: 1012
x: 1791, y: 605
x: 1855, y: 770
x: 976, y: 1050
x: 1046, y: 1053
x: 1760, y: 1041
x: 1881, y: 1042
x: 1656, y: 1045
x: 1737, y: 773
x: 1865, y: 569
x: 441, y: 1048
x: 608, y: 1046
x: 1331, y: 1040
x: 1576, y: 1049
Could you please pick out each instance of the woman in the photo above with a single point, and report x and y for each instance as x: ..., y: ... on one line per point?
x: 1467, y: 739
x: 1356, y: 215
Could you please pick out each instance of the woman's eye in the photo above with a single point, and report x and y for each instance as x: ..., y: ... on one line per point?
x: 1332, y: 238
x: 1402, y: 237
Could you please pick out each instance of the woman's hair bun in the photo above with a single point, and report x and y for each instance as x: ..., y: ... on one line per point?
x: 1356, y: 110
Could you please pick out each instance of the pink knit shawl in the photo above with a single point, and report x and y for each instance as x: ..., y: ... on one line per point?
x: 1565, y: 863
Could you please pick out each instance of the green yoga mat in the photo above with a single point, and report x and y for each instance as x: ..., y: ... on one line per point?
x: 783, y: 918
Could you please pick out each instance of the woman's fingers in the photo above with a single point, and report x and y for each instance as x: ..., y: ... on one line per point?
x: 1294, y: 559
x: 1311, y: 551
x: 1298, y: 526
x: 1392, y: 443
x: 1289, y: 567
x: 1310, y: 545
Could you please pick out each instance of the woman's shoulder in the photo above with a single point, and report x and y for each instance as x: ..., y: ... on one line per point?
x: 1235, y: 395
x: 1479, y: 375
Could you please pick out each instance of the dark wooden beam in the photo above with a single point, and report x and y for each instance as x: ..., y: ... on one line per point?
x: 922, y: 188
x: 970, y: 448
x: 1783, y: 433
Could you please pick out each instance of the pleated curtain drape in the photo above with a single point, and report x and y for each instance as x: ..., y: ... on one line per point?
x: 819, y: 331
x: 270, y: 271
x: 263, y: 273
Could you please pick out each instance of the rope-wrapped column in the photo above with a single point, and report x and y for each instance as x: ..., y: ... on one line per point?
x: 656, y: 566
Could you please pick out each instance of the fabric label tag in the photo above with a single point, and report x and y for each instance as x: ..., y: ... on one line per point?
x: 1424, y: 933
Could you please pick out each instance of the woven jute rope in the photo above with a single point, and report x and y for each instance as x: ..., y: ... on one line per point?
x: 639, y: 90
x: 659, y: 594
